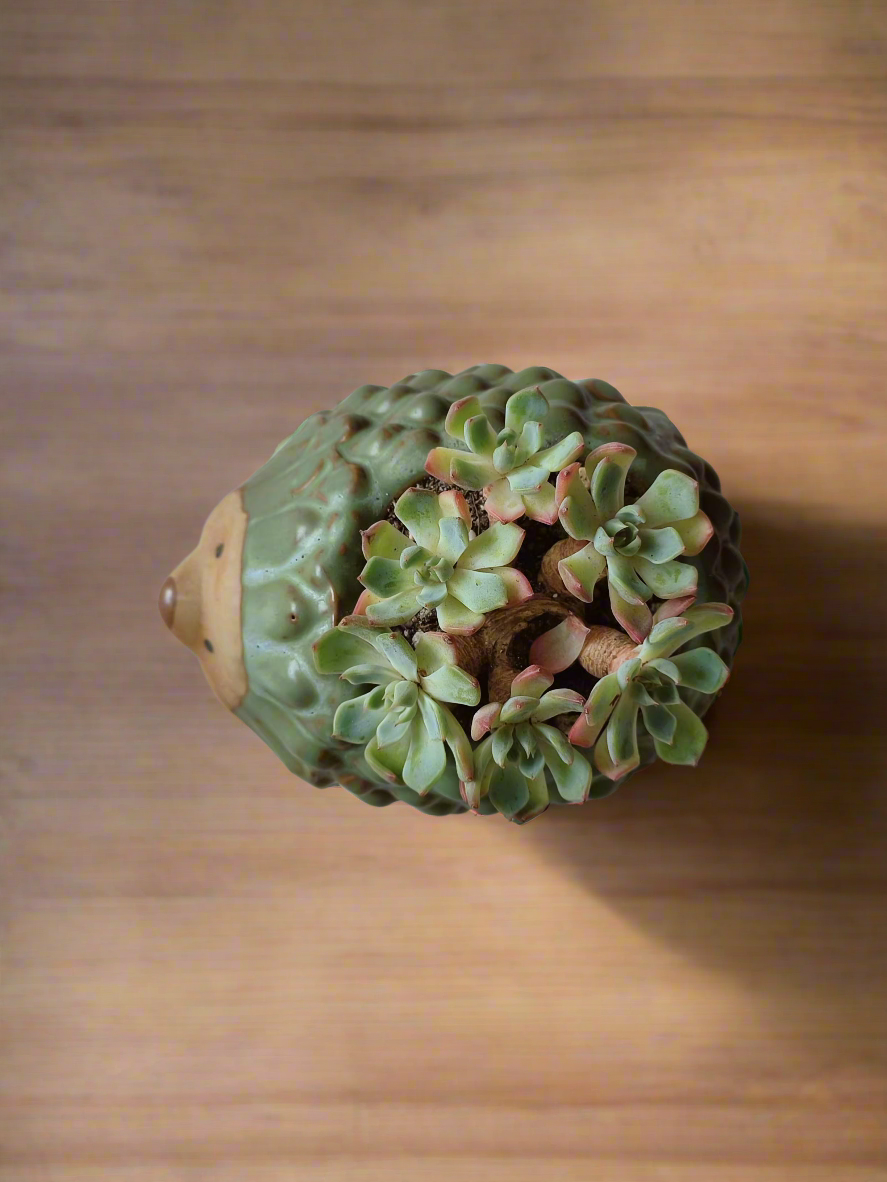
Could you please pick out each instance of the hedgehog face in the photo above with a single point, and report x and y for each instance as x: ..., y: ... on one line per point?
x: 200, y: 601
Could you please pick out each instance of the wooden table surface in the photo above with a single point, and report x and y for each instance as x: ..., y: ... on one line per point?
x: 217, y: 217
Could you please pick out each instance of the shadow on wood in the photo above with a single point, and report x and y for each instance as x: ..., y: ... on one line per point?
x: 768, y: 861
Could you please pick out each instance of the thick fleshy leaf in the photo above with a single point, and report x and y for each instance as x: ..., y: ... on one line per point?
x: 480, y: 591
x: 426, y: 761
x: 663, y: 632
x: 452, y: 503
x: 399, y: 609
x: 525, y: 406
x: 434, y: 650
x: 555, y: 739
x: 386, y: 577
x: 689, y: 739
x: 505, y: 452
x: 399, y: 654
x: 382, y: 540
x: 419, y: 511
x: 669, y: 580
x: 562, y: 453
x: 480, y: 436
x: 517, y: 586
x: 355, y: 722
x: 671, y: 497
x: 627, y: 671
x: 603, y: 697
x: 607, y: 478
x: 668, y: 669
x: 558, y: 701
x: 453, y: 538
x: 439, y: 461
x: 375, y: 674
x: 484, y: 719
x: 621, y: 733
x: 470, y: 471
x: 660, y: 545
x: 387, y: 762
x: 452, y: 684
x: 532, y: 682
x: 560, y: 647
x: 518, y: 708
x: 531, y: 765
x: 457, y: 741
x: 635, y: 618
x: 581, y: 571
x: 432, y: 594
x: 456, y: 619
x: 672, y: 607
x: 526, y: 736
x: 541, y: 505
x: 702, y: 669
x: 391, y: 730
x: 470, y: 792
x: 337, y: 650
x: 483, y: 763
x: 538, y: 799
x: 608, y: 451
x: 432, y: 715
x: 624, y: 574
x: 496, y: 546
x: 528, y: 443
x: 503, y: 740
x: 502, y: 503
x: 460, y: 413
x: 659, y: 721
x: 509, y: 790
x: 576, y: 509
x: 705, y: 617
x: 528, y: 478
x: 363, y: 601
x: 695, y: 533
x: 573, y: 779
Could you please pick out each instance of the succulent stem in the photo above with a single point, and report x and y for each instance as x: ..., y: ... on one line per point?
x: 604, y: 650
x: 494, y: 650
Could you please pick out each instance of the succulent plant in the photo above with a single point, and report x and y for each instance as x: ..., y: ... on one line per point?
x: 403, y: 720
x: 635, y: 545
x: 519, y: 748
x: 277, y: 564
x: 442, y: 564
x: 647, y: 683
x: 511, y: 466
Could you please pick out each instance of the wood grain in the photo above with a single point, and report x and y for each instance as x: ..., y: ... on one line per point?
x: 216, y: 218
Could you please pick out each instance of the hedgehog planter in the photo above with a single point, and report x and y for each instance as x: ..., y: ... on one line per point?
x: 470, y: 593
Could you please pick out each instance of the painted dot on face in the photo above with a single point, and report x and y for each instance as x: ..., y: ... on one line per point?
x: 219, y: 549
x: 208, y: 645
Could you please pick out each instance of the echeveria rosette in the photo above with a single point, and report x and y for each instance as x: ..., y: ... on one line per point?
x: 511, y: 466
x: 404, y: 720
x: 442, y: 564
x: 647, y: 683
x: 637, y: 545
x: 511, y: 762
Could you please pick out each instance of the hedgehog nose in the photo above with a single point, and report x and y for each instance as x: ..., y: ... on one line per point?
x: 181, y: 600
x: 167, y: 602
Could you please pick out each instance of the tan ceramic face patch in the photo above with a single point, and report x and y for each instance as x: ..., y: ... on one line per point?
x: 200, y: 601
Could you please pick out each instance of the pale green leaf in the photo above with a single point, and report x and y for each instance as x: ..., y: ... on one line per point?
x: 479, y: 591
x: 689, y: 739
x: 419, y: 511
x: 669, y: 580
x: 671, y: 497
x: 702, y: 669
x: 385, y: 577
x: 496, y: 546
